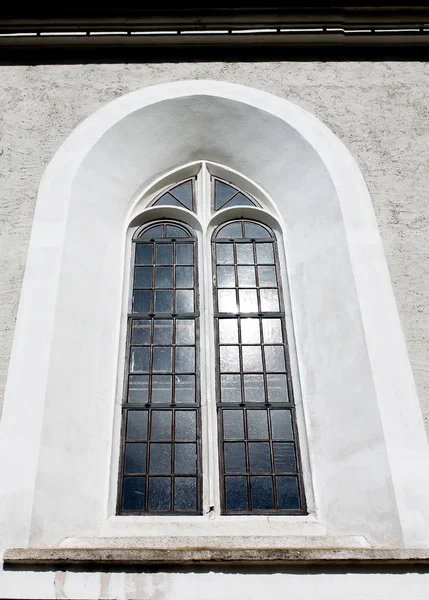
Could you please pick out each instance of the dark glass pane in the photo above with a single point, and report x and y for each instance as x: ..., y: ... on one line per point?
x: 142, y: 301
x: 262, y: 493
x: 164, y: 254
x: 238, y: 200
x: 159, y: 493
x: 229, y: 358
x: 281, y: 425
x: 223, y: 192
x: 235, y: 457
x: 161, y: 388
x: 152, y: 232
x: 272, y: 329
x: 185, y: 493
x: 137, y: 425
x: 250, y: 333
x: 284, y: 457
x: 141, y: 332
x: 252, y: 358
x: 160, y: 458
x: 167, y: 200
x: 186, y: 425
x: 134, y: 493
x: 161, y: 425
x: 227, y: 301
x: 143, y: 277
x: 144, y: 254
x: 139, y: 360
x: 275, y: 358
x: 253, y: 230
x: 233, y: 424
x: 185, y: 359
x: 162, y: 331
x: 162, y: 360
x: 269, y: 300
x: 164, y: 277
x: 135, y: 458
x: 163, y: 301
x: 185, y: 388
x: 248, y: 301
x: 176, y: 232
x: 265, y: 254
x: 230, y: 388
x: 257, y: 426
x: 184, y: 301
x: 184, y: 254
x: 185, y: 331
x: 231, y: 231
x: 267, y: 277
x: 287, y: 493
x: 138, y: 388
x: 277, y: 388
x: 225, y: 277
x: 228, y: 331
x: 236, y: 493
x: 245, y: 254
x: 224, y: 254
x: 183, y: 192
x: 246, y: 277
x: 185, y: 459
x: 184, y: 277
x: 259, y: 457
x: 254, y: 388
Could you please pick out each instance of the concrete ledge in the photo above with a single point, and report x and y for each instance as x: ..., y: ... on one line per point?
x: 46, y: 557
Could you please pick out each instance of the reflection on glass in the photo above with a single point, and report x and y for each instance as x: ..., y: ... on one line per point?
x: 184, y: 254
x: 185, y: 331
x: 252, y: 359
x: 245, y: 254
x: 246, y: 277
x: 236, y: 493
x: 284, y: 457
x: 175, y: 232
x: 138, y: 388
x: 230, y: 388
x: 233, y: 424
x: 144, y: 254
x: 248, y: 301
x: 163, y: 301
x: 272, y: 329
x: 238, y: 200
x: 137, y: 425
x: 164, y: 277
x: 152, y: 232
x: 185, y: 359
x: 281, y: 425
x: 185, y: 493
x: 140, y: 332
x: 161, y: 425
x: 135, y: 458
x: 277, y: 388
x: 160, y: 458
x: 257, y: 426
x: 185, y: 388
x: 229, y: 360
x: 183, y: 192
x: 235, y: 457
x: 184, y: 301
x: 139, y: 360
x: 231, y: 231
x: 167, y: 200
x: 159, y: 493
x: 223, y: 192
x: 142, y: 301
x: 265, y: 254
x: 254, y: 388
x: 250, y: 333
x: 225, y: 277
x: 184, y: 277
x: 262, y: 493
x: 267, y: 276
x: 259, y: 457
x: 269, y: 300
x: 143, y: 277
x: 162, y: 331
x: 186, y: 425
x: 224, y: 254
x: 253, y: 230
x: 161, y: 388
x: 185, y: 462
x: 227, y: 301
x: 134, y: 493
x: 162, y: 360
x: 275, y: 358
x: 164, y: 254
x: 228, y: 331
x: 287, y: 493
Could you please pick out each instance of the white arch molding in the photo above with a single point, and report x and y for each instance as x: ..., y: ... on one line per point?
x: 367, y: 444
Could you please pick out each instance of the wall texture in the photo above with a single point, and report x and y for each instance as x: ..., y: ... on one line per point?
x: 379, y: 110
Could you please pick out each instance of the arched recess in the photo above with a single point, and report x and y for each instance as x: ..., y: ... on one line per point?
x: 348, y: 336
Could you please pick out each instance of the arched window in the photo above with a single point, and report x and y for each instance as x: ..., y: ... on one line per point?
x: 256, y: 438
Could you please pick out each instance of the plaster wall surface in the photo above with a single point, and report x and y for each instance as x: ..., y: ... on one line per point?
x: 379, y: 110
